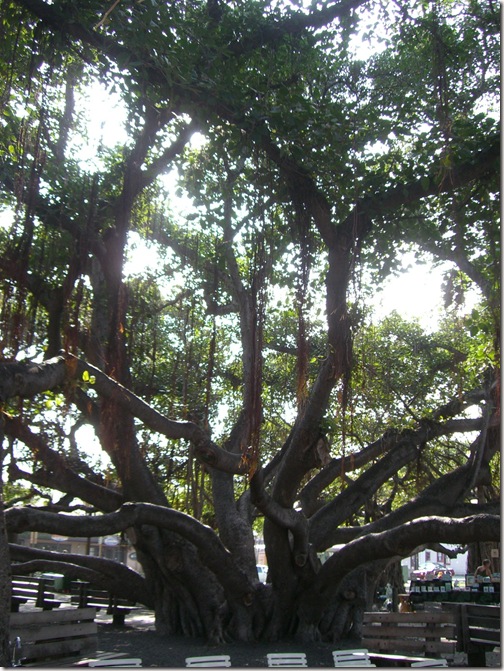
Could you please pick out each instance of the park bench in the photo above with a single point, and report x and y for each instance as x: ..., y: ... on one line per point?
x: 395, y: 637
x: 84, y: 595
x: 478, y: 630
x: 39, y: 636
x: 34, y: 590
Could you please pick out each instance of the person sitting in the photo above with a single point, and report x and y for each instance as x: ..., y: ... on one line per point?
x: 483, y: 571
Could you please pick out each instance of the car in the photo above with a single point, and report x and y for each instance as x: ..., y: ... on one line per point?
x: 431, y: 570
x: 262, y: 572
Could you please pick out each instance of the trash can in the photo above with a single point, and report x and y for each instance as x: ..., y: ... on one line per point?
x: 58, y: 580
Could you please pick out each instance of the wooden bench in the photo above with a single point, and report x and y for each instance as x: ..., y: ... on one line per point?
x: 429, y: 634
x: 38, y: 636
x: 84, y: 595
x: 478, y: 630
x: 29, y: 589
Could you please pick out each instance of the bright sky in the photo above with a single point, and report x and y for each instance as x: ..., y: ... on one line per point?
x: 415, y: 293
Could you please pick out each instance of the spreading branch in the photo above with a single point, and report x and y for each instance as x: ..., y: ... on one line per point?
x: 212, y: 551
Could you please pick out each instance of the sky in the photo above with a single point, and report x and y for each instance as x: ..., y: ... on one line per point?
x: 417, y: 293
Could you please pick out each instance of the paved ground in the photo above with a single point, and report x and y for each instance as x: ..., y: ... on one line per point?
x: 139, y: 639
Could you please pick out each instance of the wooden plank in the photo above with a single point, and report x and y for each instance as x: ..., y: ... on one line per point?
x: 50, y: 632
x: 25, y: 591
x: 430, y: 633
x: 61, y: 615
x: 54, y: 649
x: 99, y: 594
x: 488, y: 636
x: 55, y: 634
x: 483, y: 622
x: 34, y: 589
x: 409, y: 645
x: 445, y: 647
x: 417, y: 630
x: 482, y: 609
x: 480, y: 627
x: 443, y: 616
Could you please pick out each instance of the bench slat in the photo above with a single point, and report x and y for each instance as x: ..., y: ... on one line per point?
x: 46, y: 635
x: 47, y: 632
x: 54, y: 649
x: 490, y: 640
x: 420, y: 617
x: 482, y: 622
x: 409, y: 645
x: 85, y: 595
x: 395, y: 631
x: 431, y: 633
x: 41, y: 616
x: 33, y: 589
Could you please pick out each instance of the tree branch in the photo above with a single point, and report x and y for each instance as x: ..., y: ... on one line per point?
x: 399, y: 541
x: 57, y: 473
x: 428, y: 429
x: 212, y: 552
x: 286, y: 518
x: 104, y: 573
x: 28, y: 379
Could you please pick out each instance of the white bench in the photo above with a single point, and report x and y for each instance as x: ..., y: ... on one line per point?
x: 287, y: 659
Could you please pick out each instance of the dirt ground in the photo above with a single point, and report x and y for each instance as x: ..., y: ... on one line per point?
x: 139, y: 639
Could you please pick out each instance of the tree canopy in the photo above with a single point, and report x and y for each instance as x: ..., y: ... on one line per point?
x: 189, y: 291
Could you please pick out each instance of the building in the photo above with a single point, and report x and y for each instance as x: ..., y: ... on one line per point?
x: 113, y: 547
x: 457, y: 564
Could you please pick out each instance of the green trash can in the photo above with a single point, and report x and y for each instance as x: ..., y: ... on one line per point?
x: 58, y: 580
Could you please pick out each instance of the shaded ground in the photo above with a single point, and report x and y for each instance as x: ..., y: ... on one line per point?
x: 139, y: 639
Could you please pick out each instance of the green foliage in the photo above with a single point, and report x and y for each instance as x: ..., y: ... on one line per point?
x: 269, y: 101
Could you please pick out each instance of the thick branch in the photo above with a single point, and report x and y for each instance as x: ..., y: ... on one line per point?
x: 103, y: 573
x: 389, y: 441
x: 271, y: 34
x: 286, y: 518
x: 205, y: 450
x: 57, y: 473
x: 399, y: 541
x: 27, y: 380
x: 212, y: 552
x: 347, y: 534
x: 440, y: 497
